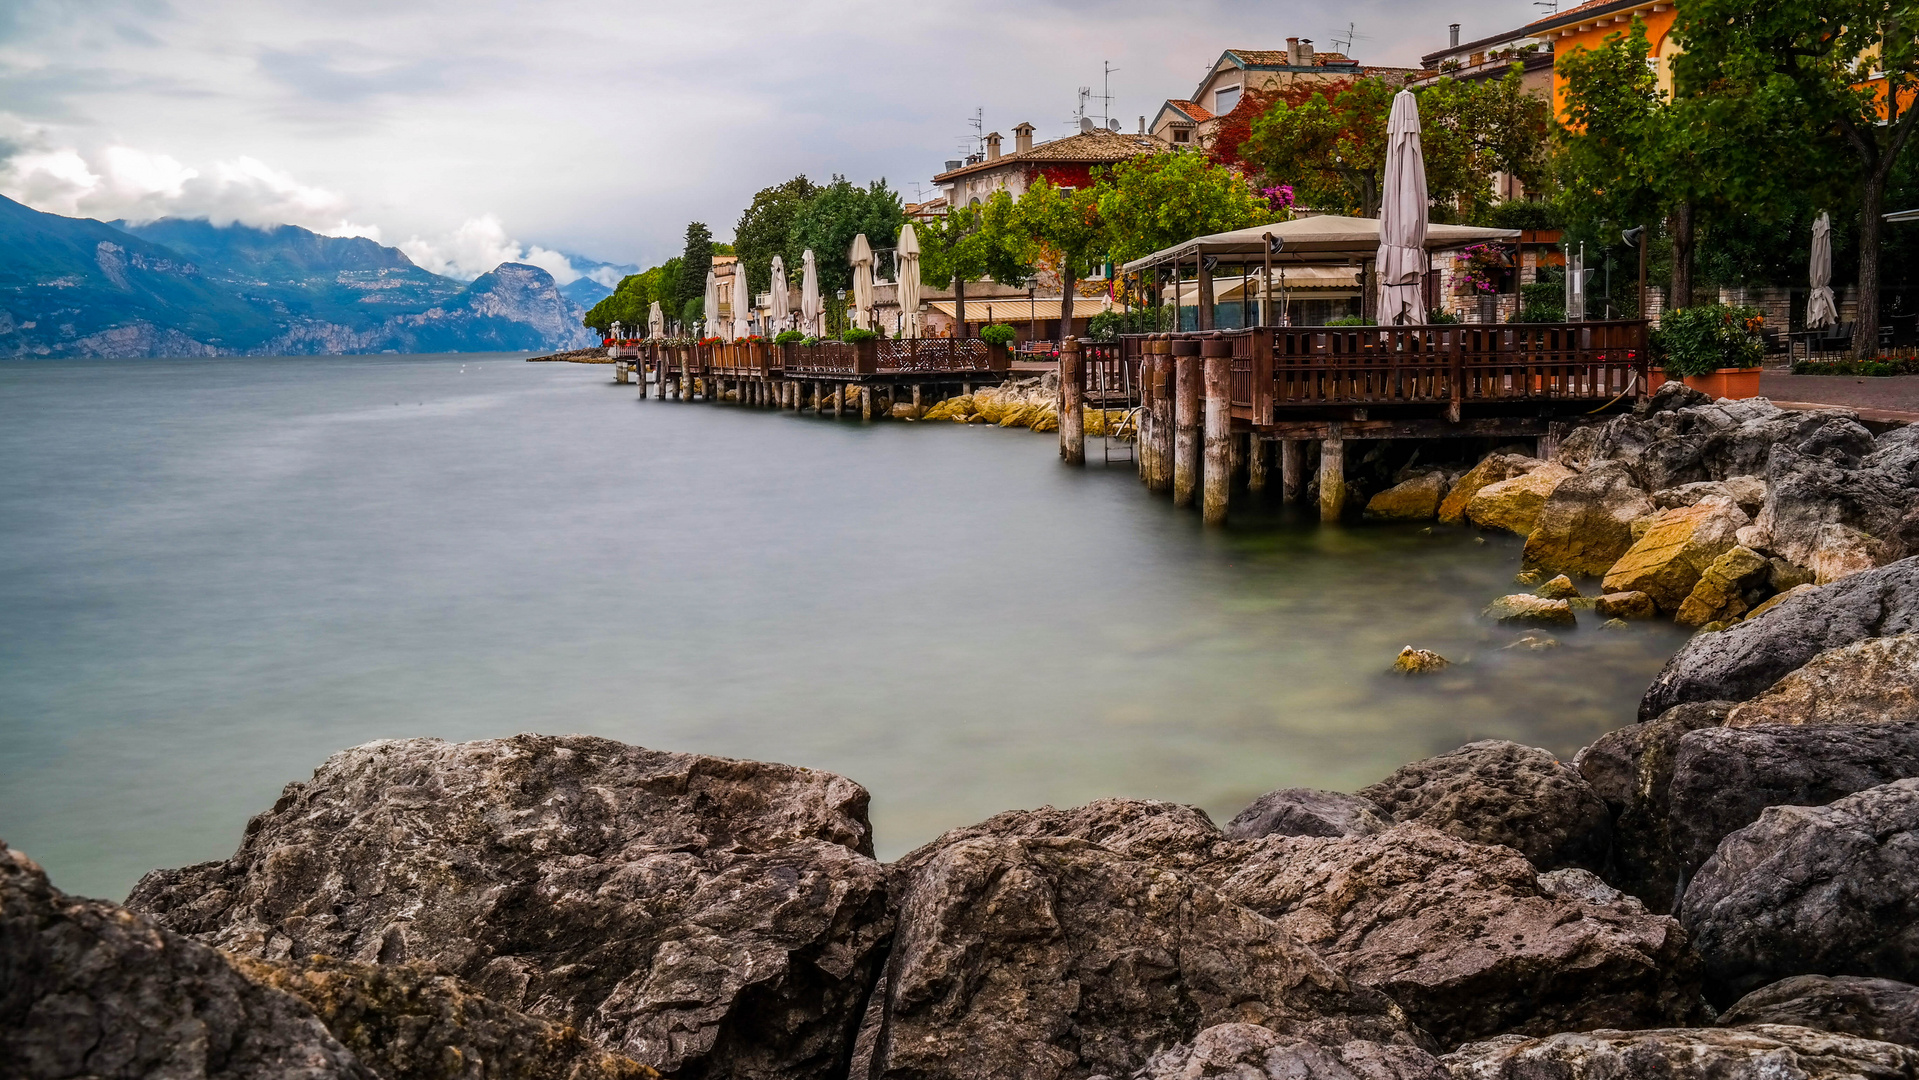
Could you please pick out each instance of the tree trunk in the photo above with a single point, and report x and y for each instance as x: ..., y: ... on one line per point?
x: 1682, y: 253
x: 959, y: 308
x: 1065, y: 300
x: 1865, y: 324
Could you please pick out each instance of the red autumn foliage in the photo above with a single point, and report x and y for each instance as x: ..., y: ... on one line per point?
x: 1062, y: 176
x: 1237, y: 126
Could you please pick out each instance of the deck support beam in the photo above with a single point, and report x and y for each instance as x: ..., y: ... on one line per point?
x: 866, y: 403
x: 1186, y: 430
x: 1072, y: 414
x: 1218, y: 386
x: 1332, y: 477
x: 1292, y: 469
x: 1256, y: 459
x: 1159, y: 438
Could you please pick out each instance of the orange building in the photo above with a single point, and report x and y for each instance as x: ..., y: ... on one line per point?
x: 1589, y: 25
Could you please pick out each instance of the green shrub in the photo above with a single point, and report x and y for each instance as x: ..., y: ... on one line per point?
x: 1520, y: 214
x: 996, y: 334
x: 1351, y: 320
x: 1440, y: 317
x: 809, y: 340
x: 1877, y: 367
x: 1702, y: 339
x: 855, y: 334
x: 1109, y: 325
x: 787, y: 337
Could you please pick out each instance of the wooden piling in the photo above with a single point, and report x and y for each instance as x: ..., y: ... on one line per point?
x: 1256, y: 458
x: 916, y: 399
x: 1160, y: 476
x: 839, y: 399
x: 1217, y: 391
x: 1332, y: 476
x: 1072, y: 397
x: 866, y: 403
x: 1187, y: 376
x: 1292, y: 469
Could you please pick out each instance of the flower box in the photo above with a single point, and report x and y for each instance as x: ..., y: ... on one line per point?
x: 1732, y: 383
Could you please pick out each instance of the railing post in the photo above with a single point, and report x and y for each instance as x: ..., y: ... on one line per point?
x: 1218, y: 387
x: 1187, y: 377
x: 1072, y: 397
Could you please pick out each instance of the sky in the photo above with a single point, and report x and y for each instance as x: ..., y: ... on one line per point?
x: 471, y: 133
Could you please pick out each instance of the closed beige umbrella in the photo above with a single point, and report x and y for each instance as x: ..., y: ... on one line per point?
x: 655, y: 321
x: 811, y: 312
x: 776, y: 297
x: 862, y: 259
x: 908, y: 256
x: 711, y: 302
x: 1402, y: 218
x: 1821, y: 311
x: 742, y: 302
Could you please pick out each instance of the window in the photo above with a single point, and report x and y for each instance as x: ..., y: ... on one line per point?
x: 1182, y: 135
x: 1224, y: 99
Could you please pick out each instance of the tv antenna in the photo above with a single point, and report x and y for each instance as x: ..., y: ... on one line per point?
x: 1105, y: 99
x: 1552, y: 6
x: 977, y: 122
x: 1344, y: 45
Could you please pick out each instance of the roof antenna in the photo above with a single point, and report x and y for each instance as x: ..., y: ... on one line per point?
x: 1343, y: 45
x: 1551, y: 5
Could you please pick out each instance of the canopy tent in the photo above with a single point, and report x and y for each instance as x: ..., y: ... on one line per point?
x: 811, y: 313
x: 655, y: 321
x: 1322, y: 239
x: 710, y: 304
x: 776, y: 296
x: 1821, y: 312
x: 1402, y: 257
x: 908, y: 261
x: 861, y: 256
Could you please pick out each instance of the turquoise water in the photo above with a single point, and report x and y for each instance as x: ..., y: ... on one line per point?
x: 214, y: 573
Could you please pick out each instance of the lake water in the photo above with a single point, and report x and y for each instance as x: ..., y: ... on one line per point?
x: 214, y: 573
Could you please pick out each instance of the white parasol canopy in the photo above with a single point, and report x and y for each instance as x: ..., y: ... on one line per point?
x: 908, y: 256
x: 742, y: 302
x: 1821, y: 312
x: 861, y: 256
x: 655, y: 321
x: 776, y: 296
x: 811, y: 312
x: 1402, y: 218
x: 711, y: 303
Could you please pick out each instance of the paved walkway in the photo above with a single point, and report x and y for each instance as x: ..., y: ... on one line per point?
x: 1893, y: 398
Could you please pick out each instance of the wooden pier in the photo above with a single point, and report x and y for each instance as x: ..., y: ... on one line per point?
x: 830, y: 375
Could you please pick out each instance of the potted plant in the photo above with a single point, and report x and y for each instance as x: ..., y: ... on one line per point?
x: 1715, y: 348
x: 998, y: 337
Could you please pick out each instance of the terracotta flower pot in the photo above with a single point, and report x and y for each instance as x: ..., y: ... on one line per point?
x: 1654, y: 380
x: 1727, y: 383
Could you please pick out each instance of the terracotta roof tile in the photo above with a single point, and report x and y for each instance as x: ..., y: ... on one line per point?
x: 1097, y: 147
x: 1591, y: 7
x: 1262, y: 56
x: 1194, y: 110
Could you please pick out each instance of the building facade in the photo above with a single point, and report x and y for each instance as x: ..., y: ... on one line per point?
x: 1191, y: 122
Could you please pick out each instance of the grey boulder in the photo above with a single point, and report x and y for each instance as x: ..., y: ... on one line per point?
x: 1879, y: 1009
x: 91, y: 990
x: 1749, y: 1053
x: 1678, y: 437
x: 1250, y: 1052
x: 1825, y: 890
x: 1746, y: 658
x: 692, y: 913
x: 1870, y: 489
x: 1498, y: 792
x: 1308, y: 812
x: 1874, y: 681
x: 1631, y: 771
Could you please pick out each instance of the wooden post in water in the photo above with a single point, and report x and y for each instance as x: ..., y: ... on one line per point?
x: 1187, y: 376
x: 1292, y: 469
x: 1160, y: 478
x: 866, y: 403
x: 1332, y: 475
x: 1217, y: 382
x: 1072, y: 396
x: 916, y: 397
x: 1256, y: 456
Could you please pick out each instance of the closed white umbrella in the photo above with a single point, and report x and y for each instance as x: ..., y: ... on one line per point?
x: 742, y: 302
x: 1402, y: 218
x: 711, y: 302
x: 811, y: 312
x: 1821, y: 311
x: 776, y: 296
x: 908, y: 255
x: 655, y: 321
x: 862, y: 259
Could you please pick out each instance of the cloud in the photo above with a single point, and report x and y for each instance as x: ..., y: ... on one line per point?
x: 479, y: 245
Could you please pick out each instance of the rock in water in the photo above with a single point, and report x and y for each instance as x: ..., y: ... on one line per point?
x: 1413, y: 661
x: 1306, y: 812
x: 1863, y: 1008
x: 1515, y: 504
x: 1722, y: 590
x: 1631, y: 771
x: 1874, y: 681
x: 1586, y: 524
x: 1496, y: 467
x: 1677, y: 548
x: 1250, y: 1052
x: 1525, y: 609
x: 1755, y: 1053
x: 1415, y: 500
x: 1496, y: 792
x: 1749, y: 657
x: 1560, y: 587
x: 1827, y: 890
x: 692, y: 913
x: 1724, y: 778
x: 88, y: 989
x: 1625, y: 605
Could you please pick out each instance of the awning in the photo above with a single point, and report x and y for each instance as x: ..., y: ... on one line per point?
x: 1319, y: 279
x: 1012, y: 310
x: 1323, y: 239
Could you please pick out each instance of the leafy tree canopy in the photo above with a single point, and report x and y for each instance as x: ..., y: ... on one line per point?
x: 762, y: 230
x: 696, y: 261
x: 828, y: 221
x: 974, y: 242
x: 1156, y: 201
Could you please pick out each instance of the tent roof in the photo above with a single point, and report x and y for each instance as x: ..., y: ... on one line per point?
x: 1324, y: 238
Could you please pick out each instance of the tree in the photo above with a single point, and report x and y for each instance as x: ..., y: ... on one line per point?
x: 1469, y: 131
x: 971, y: 243
x: 762, y: 230
x: 1064, y: 227
x: 1331, y: 149
x: 631, y: 301
x: 1837, y: 77
x: 696, y: 261
x: 830, y: 219
x: 1156, y: 201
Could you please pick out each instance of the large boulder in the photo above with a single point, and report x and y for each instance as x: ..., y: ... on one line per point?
x: 1497, y: 792
x: 1631, y: 771
x: 1495, y: 468
x: 693, y: 913
x: 1746, y: 658
x: 1470, y: 938
x: 1416, y: 499
x: 1585, y: 525
x: 1250, y: 1052
x: 1748, y: 492
x: 1812, y: 890
x: 1725, y: 777
x: 1879, y: 1009
x: 1847, y: 487
x: 91, y: 990
x: 1679, y: 438
x: 1675, y: 551
x: 1727, y: 590
x: 1307, y: 812
x: 1750, y: 1053
x: 1874, y: 681
x: 1056, y: 957
x: 1514, y: 504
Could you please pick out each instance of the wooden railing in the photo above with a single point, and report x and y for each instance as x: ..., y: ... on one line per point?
x: 939, y: 355
x: 750, y: 360
x: 1108, y: 372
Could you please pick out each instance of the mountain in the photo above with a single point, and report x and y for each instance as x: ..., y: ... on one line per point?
x: 174, y: 287
x: 586, y: 290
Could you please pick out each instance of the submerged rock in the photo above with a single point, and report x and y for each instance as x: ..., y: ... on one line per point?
x: 1874, y: 681
x: 1559, y: 588
x: 1496, y: 792
x: 1812, y: 890
x: 91, y: 990
x: 1675, y: 551
x: 751, y: 915
x: 1749, y: 657
x: 1525, y: 609
x: 1250, y: 1052
x: 1879, y: 1009
x: 1625, y: 605
x: 1413, y: 661
x: 1306, y: 812
x: 1586, y: 524
x: 1751, y: 1053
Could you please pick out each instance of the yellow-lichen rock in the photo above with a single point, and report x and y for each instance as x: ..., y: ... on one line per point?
x: 1514, y: 504
x: 1675, y: 550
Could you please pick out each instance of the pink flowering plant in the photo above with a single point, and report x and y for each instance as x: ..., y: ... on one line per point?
x: 1278, y: 197
x: 1476, y: 269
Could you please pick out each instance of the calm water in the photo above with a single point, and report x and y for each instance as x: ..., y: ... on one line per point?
x: 214, y: 573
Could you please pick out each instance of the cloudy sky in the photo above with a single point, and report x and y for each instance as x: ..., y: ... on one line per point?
x: 472, y: 132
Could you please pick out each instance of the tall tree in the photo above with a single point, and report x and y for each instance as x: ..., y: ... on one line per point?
x: 1610, y: 142
x: 1332, y: 150
x: 761, y: 232
x: 696, y: 261
x: 1471, y: 131
x: 835, y: 214
x: 1841, y: 74
x: 1159, y: 200
x: 973, y: 243
x: 1062, y: 227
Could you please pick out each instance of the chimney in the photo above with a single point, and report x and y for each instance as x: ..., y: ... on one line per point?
x: 992, y: 146
x: 1305, y: 53
x: 1142, y: 125
x: 1292, y: 50
x: 1022, y: 137
x: 1453, y: 34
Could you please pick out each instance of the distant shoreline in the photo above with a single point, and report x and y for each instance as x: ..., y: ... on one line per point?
x: 594, y: 355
